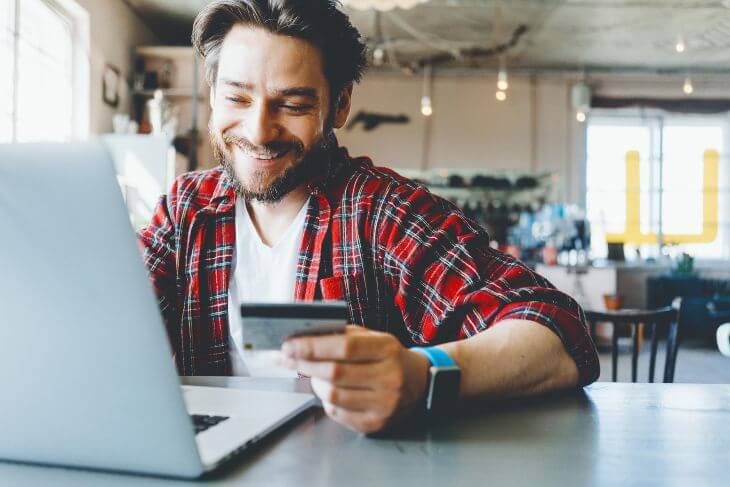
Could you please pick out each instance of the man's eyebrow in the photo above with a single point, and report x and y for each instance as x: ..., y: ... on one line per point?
x: 305, y: 91
x: 237, y: 84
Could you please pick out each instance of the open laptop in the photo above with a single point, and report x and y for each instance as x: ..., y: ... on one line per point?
x: 88, y: 378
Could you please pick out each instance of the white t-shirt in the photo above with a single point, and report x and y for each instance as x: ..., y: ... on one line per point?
x: 260, y: 274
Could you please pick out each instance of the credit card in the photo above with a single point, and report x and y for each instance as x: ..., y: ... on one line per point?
x: 266, y: 326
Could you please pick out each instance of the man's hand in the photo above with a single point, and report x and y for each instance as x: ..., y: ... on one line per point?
x: 366, y: 380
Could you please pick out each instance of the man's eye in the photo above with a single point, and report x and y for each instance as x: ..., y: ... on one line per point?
x: 297, y: 108
x: 235, y: 99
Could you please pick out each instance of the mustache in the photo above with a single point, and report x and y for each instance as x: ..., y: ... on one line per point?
x: 270, y: 149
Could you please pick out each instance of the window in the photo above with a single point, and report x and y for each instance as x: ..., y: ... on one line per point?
x: 659, y: 179
x: 6, y: 75
x: 36, y: 93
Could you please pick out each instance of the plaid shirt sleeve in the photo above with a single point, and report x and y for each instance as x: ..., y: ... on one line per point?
x: 158, y: 244
x: 450, y: 284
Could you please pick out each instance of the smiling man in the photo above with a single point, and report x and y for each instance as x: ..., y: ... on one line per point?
x: 289, y: 215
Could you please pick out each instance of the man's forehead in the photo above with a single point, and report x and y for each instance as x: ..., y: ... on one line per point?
x: 254, y: 58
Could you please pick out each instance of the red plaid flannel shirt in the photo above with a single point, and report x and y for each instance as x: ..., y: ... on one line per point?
x: 407, y: 262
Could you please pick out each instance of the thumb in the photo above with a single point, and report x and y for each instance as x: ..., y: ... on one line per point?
x: 355, y: 329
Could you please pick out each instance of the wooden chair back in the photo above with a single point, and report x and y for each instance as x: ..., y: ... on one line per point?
x: 667, y: 318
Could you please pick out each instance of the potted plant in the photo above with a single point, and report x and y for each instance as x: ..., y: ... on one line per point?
x: 683, y: 265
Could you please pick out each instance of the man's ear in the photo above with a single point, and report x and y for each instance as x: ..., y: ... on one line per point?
x: 342, y: 108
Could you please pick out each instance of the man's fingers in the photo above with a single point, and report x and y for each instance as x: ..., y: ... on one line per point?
x: 364, y: 422
x: 383, y: 402
x: 353, y: 346
x: 357, y: 375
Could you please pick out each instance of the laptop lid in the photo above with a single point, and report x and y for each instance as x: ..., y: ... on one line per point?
x: 87, y: 372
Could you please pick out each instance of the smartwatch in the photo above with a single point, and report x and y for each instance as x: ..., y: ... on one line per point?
x: 444, y: 377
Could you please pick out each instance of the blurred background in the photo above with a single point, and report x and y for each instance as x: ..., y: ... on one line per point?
x: 590, y: 137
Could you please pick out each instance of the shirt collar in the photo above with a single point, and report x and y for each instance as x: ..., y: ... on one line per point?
x: 224, y: 196
x: 328, y: 179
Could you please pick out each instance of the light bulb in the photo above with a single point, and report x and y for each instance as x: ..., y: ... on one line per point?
x: 680, y: 46
x: 378, y: 56
x: 501, y: 95
x: 426, y: 108
x: 687, y: 87
x: 502, y: 82
x: 580, y: 116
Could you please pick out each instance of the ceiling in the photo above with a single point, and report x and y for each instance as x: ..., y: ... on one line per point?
x: 540, y: 35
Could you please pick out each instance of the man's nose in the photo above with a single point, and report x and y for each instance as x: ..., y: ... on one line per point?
x: 262, y: 125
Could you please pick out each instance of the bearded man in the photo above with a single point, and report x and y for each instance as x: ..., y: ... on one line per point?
x: 289, y: 215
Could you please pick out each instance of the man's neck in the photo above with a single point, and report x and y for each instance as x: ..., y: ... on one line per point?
x: 272, y: 220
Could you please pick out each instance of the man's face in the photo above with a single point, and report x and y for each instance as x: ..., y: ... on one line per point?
x: 270, y: 105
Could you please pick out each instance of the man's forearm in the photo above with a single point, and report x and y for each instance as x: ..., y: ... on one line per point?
x: 512, y: 358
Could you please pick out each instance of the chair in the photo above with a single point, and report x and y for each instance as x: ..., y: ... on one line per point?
x: 667, y: 317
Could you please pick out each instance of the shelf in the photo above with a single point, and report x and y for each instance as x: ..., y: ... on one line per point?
x: 471, y: 191
x: 191, y: 96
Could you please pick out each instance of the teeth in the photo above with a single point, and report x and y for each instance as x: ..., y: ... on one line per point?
x: 267, y: 156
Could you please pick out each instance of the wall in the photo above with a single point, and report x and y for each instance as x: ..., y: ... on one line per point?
x: 114, y: 32
x: 533, y: 130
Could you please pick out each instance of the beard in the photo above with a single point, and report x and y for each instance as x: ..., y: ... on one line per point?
x: 307, y: 165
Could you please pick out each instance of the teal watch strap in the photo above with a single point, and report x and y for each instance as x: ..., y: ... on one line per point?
x: 436, y: 356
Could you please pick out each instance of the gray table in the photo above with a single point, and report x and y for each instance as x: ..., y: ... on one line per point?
x: 608, y: 434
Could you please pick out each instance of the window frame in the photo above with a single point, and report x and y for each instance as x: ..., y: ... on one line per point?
x: 656, y: 121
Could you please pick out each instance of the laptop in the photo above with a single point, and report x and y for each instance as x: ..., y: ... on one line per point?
x: 88, y: 377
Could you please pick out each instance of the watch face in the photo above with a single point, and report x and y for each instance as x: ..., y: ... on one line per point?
x: 443, y: 389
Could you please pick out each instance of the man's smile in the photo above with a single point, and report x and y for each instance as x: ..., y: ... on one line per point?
x: 264, y: 159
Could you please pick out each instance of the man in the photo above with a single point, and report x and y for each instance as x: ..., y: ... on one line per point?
x: 289, y: 215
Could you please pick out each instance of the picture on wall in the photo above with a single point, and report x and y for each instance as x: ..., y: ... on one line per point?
x: 110, y: 85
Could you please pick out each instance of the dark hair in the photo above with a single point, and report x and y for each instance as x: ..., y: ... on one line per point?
x: 317, y: 21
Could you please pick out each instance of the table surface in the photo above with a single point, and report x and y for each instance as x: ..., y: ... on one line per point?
x: 606, y: 434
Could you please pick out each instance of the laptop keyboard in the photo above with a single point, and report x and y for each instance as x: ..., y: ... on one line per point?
x: 202, y: 422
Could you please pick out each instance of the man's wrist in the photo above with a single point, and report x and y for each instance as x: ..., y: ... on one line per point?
x: 417, y: 384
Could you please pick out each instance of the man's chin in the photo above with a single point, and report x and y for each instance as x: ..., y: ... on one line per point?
x: 261, y: 180
x: 266, y: 188
x: 261, y: 192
